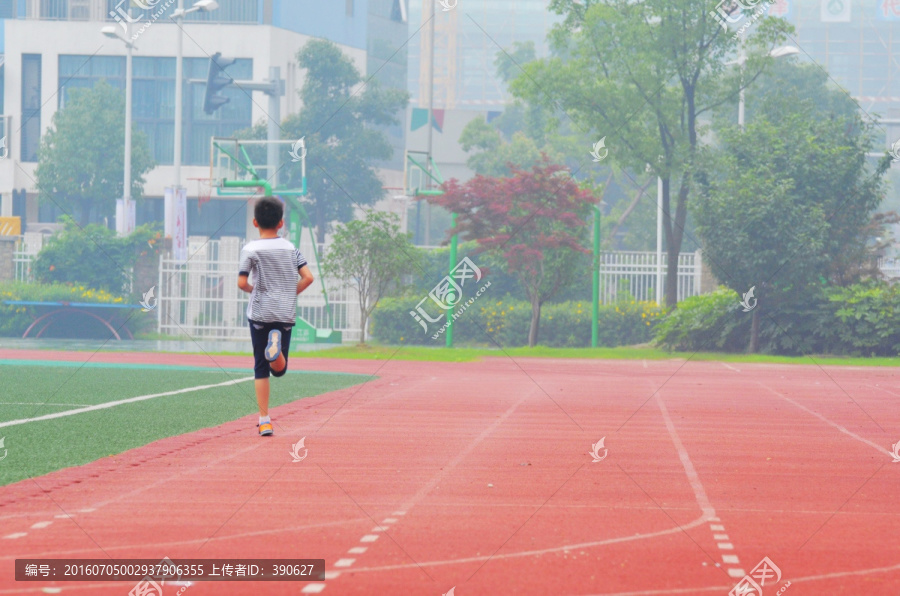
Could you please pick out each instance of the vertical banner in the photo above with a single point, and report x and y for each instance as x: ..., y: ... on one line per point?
x: 835, y: 11
x: 179, y: 232
x: 124, y: 221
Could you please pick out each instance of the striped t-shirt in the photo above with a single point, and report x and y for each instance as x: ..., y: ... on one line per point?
x: 273, y: 264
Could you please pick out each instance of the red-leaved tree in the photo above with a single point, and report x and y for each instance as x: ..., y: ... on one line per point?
x: 533, y: 220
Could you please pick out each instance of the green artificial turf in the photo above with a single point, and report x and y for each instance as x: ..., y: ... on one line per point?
x: 32, y: 388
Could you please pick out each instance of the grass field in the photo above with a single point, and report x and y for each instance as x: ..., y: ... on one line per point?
x: 419, y: 353
x: 32, y: 389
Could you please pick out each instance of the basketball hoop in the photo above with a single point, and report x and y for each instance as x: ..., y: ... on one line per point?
x: 204, y: 190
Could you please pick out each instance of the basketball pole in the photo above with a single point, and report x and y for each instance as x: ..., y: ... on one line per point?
x: 453, y: 246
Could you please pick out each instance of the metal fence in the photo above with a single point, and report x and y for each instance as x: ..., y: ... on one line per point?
x: 200, y: 298
x: 633, y: 275
x: 27, y: 248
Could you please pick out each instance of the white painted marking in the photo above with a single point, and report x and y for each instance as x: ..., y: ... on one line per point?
x: 714, y: 519
x: 389, y: 520
x: 736, y: 573
x: 63, y: 516
x: 730, y: 559
x: 332, y: 574
x: 15, y: 535
x: 357, y: 550
x: 694, y: 480
x: 735, y: 370
x: 378, y: 529
x: 313, y: 588
x: 369, y: 538
x: 399, y: 513
x: 830, y: 423
x: 720, y: 536
x: 51, y: 590
x: 717, y: 527
x: 645, y: 363
x: 725, y: 546
x: 344, y: 562
x: 86, y: 510
x: 41, y: 525
x: 112, y: 404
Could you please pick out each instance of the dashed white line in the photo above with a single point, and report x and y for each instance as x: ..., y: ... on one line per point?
x: 725, y: 546
x: 738, y: 573
x: 41, y: 525
x: 389, y: 520
x: 369, y: 538
x: 332, y: 574
x: 730, y: 559
x: 313, y: 589
x: 717, y: 527
x: 720, y: 536
x: 15, y: 535
x: 344, y: 562
x: 357, y: 550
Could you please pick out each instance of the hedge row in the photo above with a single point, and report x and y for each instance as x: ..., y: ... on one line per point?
x: 506, y: 322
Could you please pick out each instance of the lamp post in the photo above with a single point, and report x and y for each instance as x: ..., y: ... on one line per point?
x: 778, y: 52
x: 125, y: 226
x: 178, y: 17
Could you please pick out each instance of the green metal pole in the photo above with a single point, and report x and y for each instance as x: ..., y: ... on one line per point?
x: 595, y: 306
x: 453, y: 245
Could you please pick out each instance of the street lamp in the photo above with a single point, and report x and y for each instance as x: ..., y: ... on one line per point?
x: 779, y: 52
x: 178, y: 16
x: 126, y: 225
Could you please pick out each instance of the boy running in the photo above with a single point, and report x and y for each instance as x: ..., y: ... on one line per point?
x: 274, y: 263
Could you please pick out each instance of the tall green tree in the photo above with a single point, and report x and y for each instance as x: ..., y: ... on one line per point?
x: 642, y: 74
x: 373, y: 257
x: 342, y: 122
x: 82, y: 155
x: 790, y: 204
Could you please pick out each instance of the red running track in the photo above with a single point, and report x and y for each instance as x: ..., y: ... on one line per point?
x: 477, y: 477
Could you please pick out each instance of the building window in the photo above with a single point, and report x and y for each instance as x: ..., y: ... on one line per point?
x: 153, y: 100
x: 31, y: 107
x: 7, y: 9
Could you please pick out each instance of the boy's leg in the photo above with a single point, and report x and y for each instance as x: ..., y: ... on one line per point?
x: 262, y: 396
x: 279, y: 366
x: 259, y: 335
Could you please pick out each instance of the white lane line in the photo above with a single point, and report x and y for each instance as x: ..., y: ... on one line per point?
x: 399, y: 513
x: 63, y: 516
x: 357, y: 550
x: 720, y: 536
x: 829, y: 422
x: 313, y: 589
x: 15, y: 535
x: 344, y: 562
x: 112, y: 404
x: 732, y: 559
x: 332, y: 574
x: 369, y: 538
x: 717, y: 528
x: 41, y: 525
x: 725, y: 546
x: 389, y: 520
x: 732, y: 368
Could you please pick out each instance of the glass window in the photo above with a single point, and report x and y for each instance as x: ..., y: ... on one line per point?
x: 31, y: 106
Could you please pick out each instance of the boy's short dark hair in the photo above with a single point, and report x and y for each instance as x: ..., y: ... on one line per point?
x: 268, y: 212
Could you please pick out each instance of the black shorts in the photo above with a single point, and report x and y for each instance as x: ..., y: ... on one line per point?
x: 259, y: 335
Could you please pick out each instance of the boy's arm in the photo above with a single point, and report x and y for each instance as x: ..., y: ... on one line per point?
x: 306, y: 278
x: 244, y: 283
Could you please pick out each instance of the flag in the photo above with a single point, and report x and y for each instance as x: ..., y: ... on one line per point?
x: 835, y: 11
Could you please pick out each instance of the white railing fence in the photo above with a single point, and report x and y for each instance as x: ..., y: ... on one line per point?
x: 633, y: 274
x: 200, y: 298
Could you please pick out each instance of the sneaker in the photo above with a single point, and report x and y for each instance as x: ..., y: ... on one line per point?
x: 265, y: 429
x: 273, y: 349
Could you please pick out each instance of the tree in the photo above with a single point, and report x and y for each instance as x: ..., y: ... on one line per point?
x: 533, y: 220
x: 82, y: 155
x: 372, y: 256
x: 642, y: 74
x: 790, y: 205
x: 339, y: 121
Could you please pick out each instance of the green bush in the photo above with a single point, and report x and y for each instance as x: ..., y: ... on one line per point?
x: 92, y: 256
x: 868, y: 318
x: 505, y: 322
x: 708, y: 322
x: 15, y: 319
